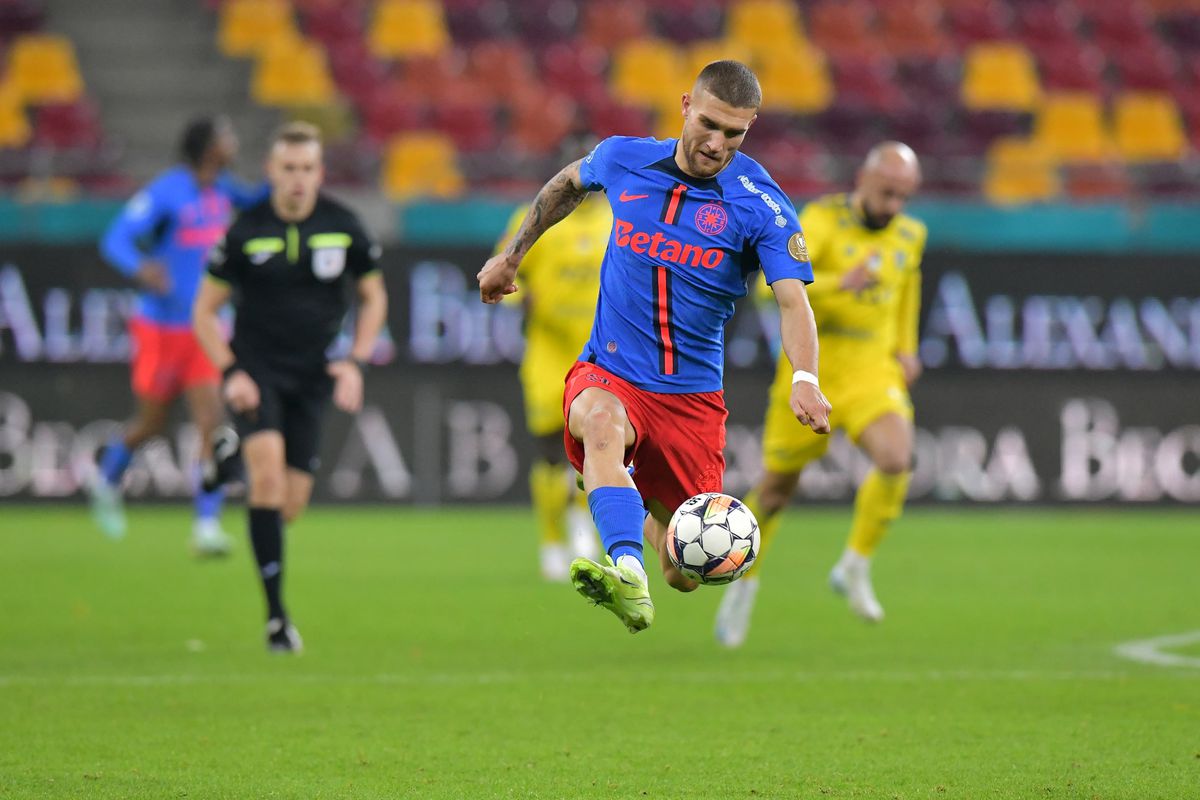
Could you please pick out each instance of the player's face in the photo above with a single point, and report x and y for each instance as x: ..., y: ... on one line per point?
x: 713, y: 131
x: 295, y: 172
x: 225, y: 144
x: 884, y: 192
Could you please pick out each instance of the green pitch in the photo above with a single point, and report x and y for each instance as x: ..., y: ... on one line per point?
x: 440, y: 666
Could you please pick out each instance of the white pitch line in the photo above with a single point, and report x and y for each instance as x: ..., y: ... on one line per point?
x: 492, y: 678
x: 1150, y: 651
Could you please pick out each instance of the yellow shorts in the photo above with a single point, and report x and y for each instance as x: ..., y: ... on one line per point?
x: 860, y: 391
x: 543, y: 380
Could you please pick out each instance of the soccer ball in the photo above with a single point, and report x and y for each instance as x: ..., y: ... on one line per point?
x: 713, y: 538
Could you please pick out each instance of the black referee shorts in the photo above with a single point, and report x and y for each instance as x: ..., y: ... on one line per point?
x: 294, y: 405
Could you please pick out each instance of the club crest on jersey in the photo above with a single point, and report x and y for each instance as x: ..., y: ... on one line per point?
x: 328, y: 262
x: 711, y: 219
x: 797, y: 249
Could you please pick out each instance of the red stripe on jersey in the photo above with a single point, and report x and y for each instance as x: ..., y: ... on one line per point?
x: 674, y: 204
x: 662, y: 302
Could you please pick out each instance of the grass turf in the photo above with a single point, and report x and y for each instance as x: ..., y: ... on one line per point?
x: 440, y: 666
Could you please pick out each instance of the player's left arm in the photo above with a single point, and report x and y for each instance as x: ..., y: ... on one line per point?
x: 907, y: 317
x: 362, y: 259
x: 798, y: 336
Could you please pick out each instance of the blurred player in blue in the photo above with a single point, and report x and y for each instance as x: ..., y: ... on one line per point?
x: 693, y: 219
x: 161, y: 240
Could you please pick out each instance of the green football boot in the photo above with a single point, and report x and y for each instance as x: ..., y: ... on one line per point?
x: 619, y: 589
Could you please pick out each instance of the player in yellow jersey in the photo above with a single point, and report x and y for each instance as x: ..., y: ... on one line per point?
x: 561, y: 281
x: 866, y: 257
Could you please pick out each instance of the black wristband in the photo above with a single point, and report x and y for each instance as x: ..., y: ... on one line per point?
x: 232, y: 368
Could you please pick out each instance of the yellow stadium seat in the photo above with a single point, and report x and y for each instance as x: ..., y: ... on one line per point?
x: 14, y: 125
x: 764, y: 25
x: 650, y: 73
x: 250, y: 27
x: 1071, y: 126
x: 421, y: 164
x: 404, y: 28
x: 42, y: 68
x: 1001, y: 76
x: 294, y: 74
x: 702, y: 53
x: 796, y: 80
x: 1020, y: 171
x: 1148, y: 127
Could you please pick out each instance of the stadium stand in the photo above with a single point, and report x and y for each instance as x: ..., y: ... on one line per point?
x: 1083, y: 98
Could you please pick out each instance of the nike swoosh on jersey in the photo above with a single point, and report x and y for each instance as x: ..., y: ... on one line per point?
x: 626, y: 197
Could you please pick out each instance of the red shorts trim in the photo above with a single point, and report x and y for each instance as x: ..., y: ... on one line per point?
x: 165, y: 360
x: 679, y: 451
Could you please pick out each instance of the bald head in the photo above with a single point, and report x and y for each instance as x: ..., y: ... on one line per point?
x: 889, y: 176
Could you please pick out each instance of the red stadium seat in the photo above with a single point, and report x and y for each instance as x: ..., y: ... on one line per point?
x: 1071, y: 66
x: 69, y: 126
x: 1151, y: 67
x: 470, y: 124
x: 503, y: 66
x: 686, y: 21
x: 541, y: 22
x: 542, y: 119
x: 390, y: 110
x: 869, y: 83
x: 912, y: 29
x: 611, y: 23
x: 616, y: 119
x: 843, y: 29
x: 982, y: 21
x: 578, y: 68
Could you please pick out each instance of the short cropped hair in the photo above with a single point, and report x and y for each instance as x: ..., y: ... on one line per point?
x: 296, y: 133
x: 731, y: 82
x: 198, y: 136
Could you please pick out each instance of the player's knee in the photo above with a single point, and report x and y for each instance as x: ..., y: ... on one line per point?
x: 895, y: 462
x: 267, y: 488
x: 601, y: 424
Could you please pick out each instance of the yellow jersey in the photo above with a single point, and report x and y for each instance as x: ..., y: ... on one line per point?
x: 559, y: 278
x: 880, y: 317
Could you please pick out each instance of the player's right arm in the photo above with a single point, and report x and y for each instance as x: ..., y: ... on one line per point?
x: 224, y: 271
x: 561, y: 195
x: 136, y: 222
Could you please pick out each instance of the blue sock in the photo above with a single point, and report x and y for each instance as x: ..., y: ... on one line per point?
x: 619, y: 515
x: 207, y: 504
x: 114, y: 460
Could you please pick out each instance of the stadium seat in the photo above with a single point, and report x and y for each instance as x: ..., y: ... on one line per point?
x: 469, y: 22
x: 687, y: 21
x: 982, y: 128
x: 612, y: 23
x: 1070, y: 125
x: 649, y: 72
x: 1117, y: 25
x: 1072, y: 66
x: 503, y: 66
x: 1149, y: 67
x: 1047, y: 24
x: 843, y: 29
x: 700, y: 54
x: 68, y: 126
x: 1000, y: 75
x: 405, y: 28
x: 985, y: 21
x: 542, y: 119
x: 42, y: 69
x: 293, y: 74
x: 421, y: 165
x: 15, y: 130
x: 1105, y: 180
x: 542, y: 22
x: 764, y: 27
x: 1020, y: 171
x: 613, y: 118
x: 578, y: 68
x: 797, y: 80
x: 250, y: 27
x: 912, y: 29
x: 869, y: 83
x: 389, y: 110
x: 469, y: 122
x: 1148, y: 128
x: 18, y: 17
x: 356, y: 72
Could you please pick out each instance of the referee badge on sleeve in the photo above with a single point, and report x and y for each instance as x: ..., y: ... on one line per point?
x: 328, y: 262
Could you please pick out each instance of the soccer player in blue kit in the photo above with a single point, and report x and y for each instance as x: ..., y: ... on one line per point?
x: 161, y: 240
x: 692, y: 220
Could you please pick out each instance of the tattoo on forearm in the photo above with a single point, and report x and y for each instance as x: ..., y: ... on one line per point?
x: 558, y: 198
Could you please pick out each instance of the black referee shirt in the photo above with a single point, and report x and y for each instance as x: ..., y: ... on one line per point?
x: 291, y: 282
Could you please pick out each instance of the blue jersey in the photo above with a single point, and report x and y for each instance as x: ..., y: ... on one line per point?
x: 174, y: 220
x: 679, y: 255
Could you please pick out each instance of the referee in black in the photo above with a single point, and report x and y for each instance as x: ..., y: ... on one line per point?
x: 288, y: 264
